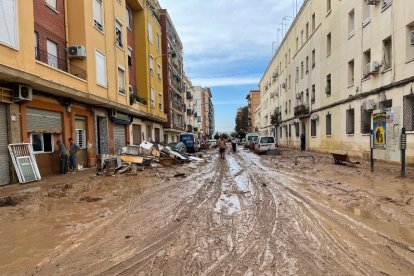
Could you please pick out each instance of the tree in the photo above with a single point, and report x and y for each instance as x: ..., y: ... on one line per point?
x: 242, y: 124
x: 233, y: 134
x: 225, y: 136
x: 217, y: 136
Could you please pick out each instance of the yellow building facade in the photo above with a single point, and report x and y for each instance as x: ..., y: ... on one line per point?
x: 67, y: 69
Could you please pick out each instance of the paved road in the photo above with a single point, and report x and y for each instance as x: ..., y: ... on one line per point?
x: 238, y: 216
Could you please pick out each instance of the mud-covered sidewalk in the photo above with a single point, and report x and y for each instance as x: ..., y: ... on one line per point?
x: 246, y: 215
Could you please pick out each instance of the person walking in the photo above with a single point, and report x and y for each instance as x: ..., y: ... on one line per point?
x: 222, y: 147
x: 63, y: 157
x: 73, y: 149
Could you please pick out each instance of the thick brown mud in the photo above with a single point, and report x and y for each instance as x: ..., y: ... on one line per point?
x: 245, y: 215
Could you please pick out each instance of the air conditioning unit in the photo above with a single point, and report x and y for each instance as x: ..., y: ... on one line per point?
x: 412, y: 38
x: 283, y: 85
x: 77, y: 51
x: 373, y: 67
x: 315, y: 117
x: 369, y: 105
x: 372, y: 2
x: 298, y: 95
x: 113, y: 113
x: 22, y: 93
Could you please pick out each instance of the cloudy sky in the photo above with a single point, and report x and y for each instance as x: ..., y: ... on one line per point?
x: 227, y: 46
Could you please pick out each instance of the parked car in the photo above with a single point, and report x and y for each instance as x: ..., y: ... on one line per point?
x: 249, y: 138
x: 264, y: 144
x: 189, y: 140
x: 212, y: 143
x: 252, y: 143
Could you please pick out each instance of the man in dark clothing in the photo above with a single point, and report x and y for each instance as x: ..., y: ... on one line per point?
x: 302, y: 142
x: 73, y: 149
x: 63, y: 157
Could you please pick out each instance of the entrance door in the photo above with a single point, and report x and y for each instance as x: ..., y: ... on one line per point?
x: 304, y: 133
x: 157, y: 135
x: 149, y: 133
x: 136, y: 134
x: 80, y: 124
x: 102, y: 135
x: 4, y: 153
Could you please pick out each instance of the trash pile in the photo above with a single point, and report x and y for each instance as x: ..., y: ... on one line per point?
x: 133, y: 158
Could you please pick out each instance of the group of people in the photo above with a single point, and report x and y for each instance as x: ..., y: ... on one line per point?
x: 222, y: 146
x: 63, y: 155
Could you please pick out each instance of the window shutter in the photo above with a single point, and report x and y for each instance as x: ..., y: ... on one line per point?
x: 100, y: 68
x: 8, y: 23
x: 97, y: 11
x: 51, y: 3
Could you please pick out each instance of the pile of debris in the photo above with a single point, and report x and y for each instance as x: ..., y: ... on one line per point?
x: 132, y: 158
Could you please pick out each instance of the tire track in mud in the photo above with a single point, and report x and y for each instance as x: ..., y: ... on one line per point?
x: 186, y: 210
x: 337, y: 256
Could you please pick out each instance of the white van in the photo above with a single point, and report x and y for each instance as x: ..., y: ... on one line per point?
x: 250, y: 137
x: 264, y: 144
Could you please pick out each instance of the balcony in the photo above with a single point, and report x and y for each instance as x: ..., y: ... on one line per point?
x: 59, y: 63
x: 189, y: 96
x: 301, y: 110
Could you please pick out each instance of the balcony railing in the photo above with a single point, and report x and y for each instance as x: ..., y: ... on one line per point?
x: 59, y: 63
x: 302, y: 109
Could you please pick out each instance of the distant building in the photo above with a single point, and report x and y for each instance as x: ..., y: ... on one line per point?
x: 205, y: 111
x: 253, y: 101
x: 339, y: 63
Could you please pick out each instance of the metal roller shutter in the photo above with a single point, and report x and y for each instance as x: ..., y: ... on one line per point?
x: 4, y: 153
x: 119, y: 137
x: 44, y: 121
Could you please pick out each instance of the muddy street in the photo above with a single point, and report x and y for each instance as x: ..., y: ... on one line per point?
x: 245, y: 215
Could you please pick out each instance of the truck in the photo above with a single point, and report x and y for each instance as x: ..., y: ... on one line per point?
x: 189, y: 140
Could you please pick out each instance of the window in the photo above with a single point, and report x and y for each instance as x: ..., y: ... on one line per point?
x: 160, y: 101
x: 351, y: 23
x: 36, y: 44
x: 313, y: 22
x: 328, y: 125
x: 366, y: 121
x: 97, y: 14
x: 149, y: 32
x: 121, y: 80
x: 151, y: 65
x: 128, y: 18
x: 100, y: 63
x: 307, y: 30
x: 159, y: 72
x: 8, y: 22
x: 387, y: 55
x: 118, y: 34
x: 366, y: 13
x: 410, y: 42
x: 350, y: 121
x: 385, y: 105
x: 313, y: 128
x: 290, y: 130
x: 289, y: 56
x: 297, y: 74
x: 307, y: 96
x: 42, y: 142
x: 297, y: 129
x: 313, y: 58
x: 313, y: 94
x: 301, y: 70
x: 281, y: 132
x: 297, y: 44
x: 408, y: 111
x: 52, y: 53
x: 328, y: 85
x: 328, y: 44
x: 351, y: 73
x: 52, y: 4
x: 366, y: 61
x: 290, y: 106
x: 301, y: 38
x: 152, y: 97
x: 130, y: 57
x: 307, y: 65
x: 81, y: 138
x: 328, y: 5
x: 158, y: 43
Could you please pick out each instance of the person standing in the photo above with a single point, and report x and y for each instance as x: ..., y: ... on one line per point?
x: 73, y: 149
x: 222, y: 147
x: 63, y: 157
x: 302, y: 142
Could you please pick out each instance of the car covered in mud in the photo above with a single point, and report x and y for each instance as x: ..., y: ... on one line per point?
x: 264, y: 144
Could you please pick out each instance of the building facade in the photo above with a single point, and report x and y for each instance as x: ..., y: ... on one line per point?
x: 340, y: 63
x: 190, y: 117
x: 78, y: 69
x: 253, y: 101
x: 174, y: 98
x: 205, y: 110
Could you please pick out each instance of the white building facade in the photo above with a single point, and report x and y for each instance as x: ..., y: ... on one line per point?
x: 339, y: 63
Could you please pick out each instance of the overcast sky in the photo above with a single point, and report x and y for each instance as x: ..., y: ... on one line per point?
x: 227, y: 46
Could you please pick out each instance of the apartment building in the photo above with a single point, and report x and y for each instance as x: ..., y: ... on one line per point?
x: 191, y: 115
x: 253, y: 101
x: 205, y: 110
x: 174, y: 98
x: 340, y: 63
x: 78, y: 69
